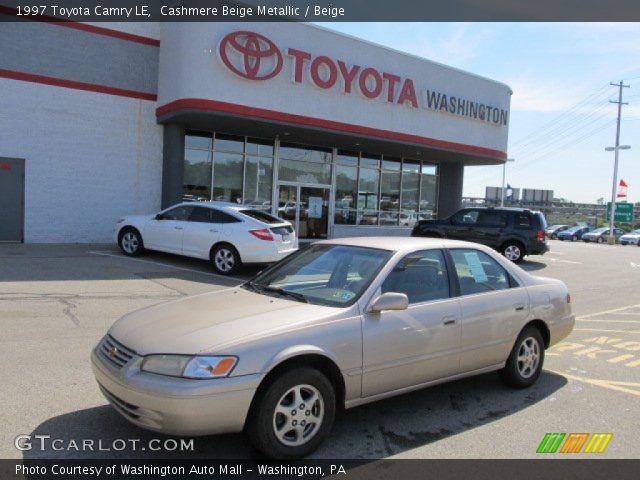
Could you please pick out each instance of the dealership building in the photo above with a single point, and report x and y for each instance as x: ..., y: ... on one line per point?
x: 340, y: 136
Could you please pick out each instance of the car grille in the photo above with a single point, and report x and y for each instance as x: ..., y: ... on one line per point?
x: 114, y: 353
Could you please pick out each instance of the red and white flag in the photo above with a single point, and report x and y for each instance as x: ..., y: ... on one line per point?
x: 622, y: 190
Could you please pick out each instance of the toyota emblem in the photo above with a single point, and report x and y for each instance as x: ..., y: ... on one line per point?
x: 250, y: 55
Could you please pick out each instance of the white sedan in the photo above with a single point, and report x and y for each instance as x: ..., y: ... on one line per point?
x: 227, y: 234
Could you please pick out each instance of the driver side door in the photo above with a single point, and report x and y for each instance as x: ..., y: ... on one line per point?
x: 417, y: 345
x: 165, y: 232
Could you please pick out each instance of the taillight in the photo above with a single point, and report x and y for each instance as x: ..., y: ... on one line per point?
x: 262, y: 234
x: 540, y: 236
x: 568, y: 298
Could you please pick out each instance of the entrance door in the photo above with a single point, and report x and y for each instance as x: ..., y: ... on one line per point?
x: 307, y: 208
x: 12, y: 200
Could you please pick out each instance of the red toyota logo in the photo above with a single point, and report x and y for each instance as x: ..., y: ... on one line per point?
x: 250, y: 55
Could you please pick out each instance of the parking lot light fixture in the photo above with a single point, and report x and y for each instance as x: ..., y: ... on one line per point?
x: 612, y: 238
x: 504, y: 170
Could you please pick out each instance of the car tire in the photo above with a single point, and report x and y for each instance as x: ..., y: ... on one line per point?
x: 225, y: 259
x: 600, y: 240
x: 513, y: 251
x: 554, y: 237
x: 525, y: 361
x: 272, y: 426
x: 130, y: 242
x: 574, y: 238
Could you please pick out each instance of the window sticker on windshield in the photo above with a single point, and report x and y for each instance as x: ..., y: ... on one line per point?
x: 477, y: 270
x: 344, y: 295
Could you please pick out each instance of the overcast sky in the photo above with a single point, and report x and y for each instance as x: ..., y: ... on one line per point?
x: 561, y: 119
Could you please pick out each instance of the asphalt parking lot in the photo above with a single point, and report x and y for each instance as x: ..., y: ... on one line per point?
x: 57, y: 301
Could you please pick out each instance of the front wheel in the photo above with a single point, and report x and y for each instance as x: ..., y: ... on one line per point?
x: 225, y: 259
x: 574, y: 238
x: 130, y: 242
x: 600, y: 240
x: 524, y: 364
x: 554, y: 236
x: 513, y: 251
x: 293, y: 415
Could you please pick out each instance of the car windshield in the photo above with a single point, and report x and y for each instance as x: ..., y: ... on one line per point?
x: 322, y: 274
x: 572, y: 229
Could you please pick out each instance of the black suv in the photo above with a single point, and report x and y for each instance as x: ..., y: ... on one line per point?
x: 514, y: 232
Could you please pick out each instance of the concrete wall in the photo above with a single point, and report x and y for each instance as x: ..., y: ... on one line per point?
x: 89, y: 158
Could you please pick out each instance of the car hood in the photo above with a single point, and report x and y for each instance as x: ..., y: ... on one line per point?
x: 631, y: 236
x: 211, y: 322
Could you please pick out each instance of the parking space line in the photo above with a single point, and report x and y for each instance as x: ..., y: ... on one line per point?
x: 166, y: 265
x: 603, y: 330
x: 610, y: 384
x: 613, y: 310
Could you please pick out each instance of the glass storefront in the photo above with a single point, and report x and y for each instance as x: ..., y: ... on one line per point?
x: 366, y: 189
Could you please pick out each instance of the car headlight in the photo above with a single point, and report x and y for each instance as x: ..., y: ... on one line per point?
x: 189, y: 366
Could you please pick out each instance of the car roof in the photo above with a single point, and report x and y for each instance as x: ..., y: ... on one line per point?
x: 234, y: 206
x: 400, y: 243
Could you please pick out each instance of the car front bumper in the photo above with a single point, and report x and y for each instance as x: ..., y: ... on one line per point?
x: 176, y: 406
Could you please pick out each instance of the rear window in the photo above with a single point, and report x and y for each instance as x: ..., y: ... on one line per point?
x: 261, y: 216
x: 542, y: 220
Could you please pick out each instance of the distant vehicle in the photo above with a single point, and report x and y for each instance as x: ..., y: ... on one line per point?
x: 601, y: 235
x: 573, y: 233
x: 631, y: 238
x: 226, y: 234
x: 514, y: 232
x: 553, y: 231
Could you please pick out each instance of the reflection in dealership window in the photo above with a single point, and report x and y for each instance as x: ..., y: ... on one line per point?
x: 368, y: 196
x: 410, y: 192
x: 258, y: 182
x: 346, y: 188
x: 428, y: 191
x: 300, y: 164
x: 197, y: 175
x: 390, y: 192
x: 227, y: 177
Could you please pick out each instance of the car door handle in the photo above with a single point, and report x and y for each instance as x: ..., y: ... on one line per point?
x: 519, y: 308
x: 449, y: 320
x: 178, y: 228
x: 213, y: 230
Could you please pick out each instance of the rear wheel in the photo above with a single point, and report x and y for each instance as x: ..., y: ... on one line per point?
x: 130, y: 242
x: 554, y: 236
x: 513, y: 251
x: 574, y: 238
x: 293, y: 415
x: 600, y: 239
x: 225, y: 259
x: 524, y: 364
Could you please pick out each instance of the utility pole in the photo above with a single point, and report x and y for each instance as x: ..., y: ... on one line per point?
x: 621, y: 85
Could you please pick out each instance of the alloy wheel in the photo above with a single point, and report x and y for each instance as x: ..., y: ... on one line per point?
x: 130, y: 242
x: 224, y: 260
x: 512, y: 252
x: 298, y: 415
x: 528, y: 357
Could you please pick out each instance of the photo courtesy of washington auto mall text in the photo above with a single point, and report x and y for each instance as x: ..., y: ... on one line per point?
x: 308, y: 239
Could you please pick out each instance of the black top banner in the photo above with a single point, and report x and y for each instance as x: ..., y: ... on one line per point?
x: 322, y: 11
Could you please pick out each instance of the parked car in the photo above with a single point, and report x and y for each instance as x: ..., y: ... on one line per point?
x: 601, y: 235
x: 337, y: 324
x: 515, y: 232
x: 553, y: 231
x: 226, y: 234
x: 573, y: 233
x: 631, y: 238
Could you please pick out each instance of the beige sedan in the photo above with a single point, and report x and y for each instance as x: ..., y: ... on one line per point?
x: 337, y: 324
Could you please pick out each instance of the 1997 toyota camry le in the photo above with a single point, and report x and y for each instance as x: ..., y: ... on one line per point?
x: 335, y: 325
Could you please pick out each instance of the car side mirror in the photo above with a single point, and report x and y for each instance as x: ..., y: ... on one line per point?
x: 389, y: 301
x: 159, y: 217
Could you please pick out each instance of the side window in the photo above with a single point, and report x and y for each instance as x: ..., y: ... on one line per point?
x: 178, y: 213
x: 466, y: 217
x: 218, y: 216
x: 478, y: 272
x: 201, y: 214
x: 523, y: 221
x: 492, y: 219
x: 421, y: 276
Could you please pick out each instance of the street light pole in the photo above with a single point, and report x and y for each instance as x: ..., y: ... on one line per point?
x: 621, y: 85
x: 504, y: 171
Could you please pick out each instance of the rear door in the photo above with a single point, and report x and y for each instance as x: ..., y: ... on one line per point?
x: 202, y: 231
x: 493, y: 309
x: 490, y: 227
